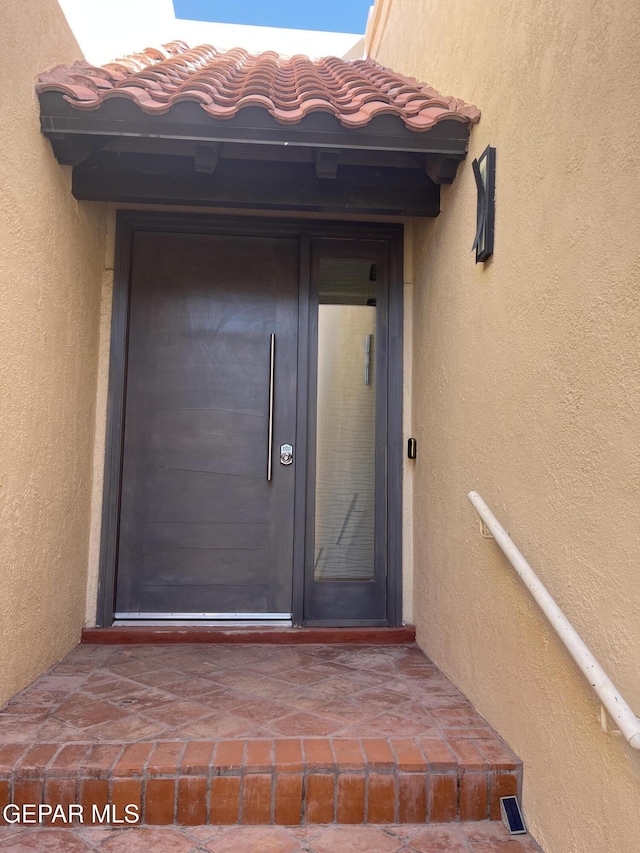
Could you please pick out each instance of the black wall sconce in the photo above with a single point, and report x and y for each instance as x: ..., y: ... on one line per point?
x: 484, y: 171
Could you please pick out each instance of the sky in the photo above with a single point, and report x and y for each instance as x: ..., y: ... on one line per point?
x: 342, y: 16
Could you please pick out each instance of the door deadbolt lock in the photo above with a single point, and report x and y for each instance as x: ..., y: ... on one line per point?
x: 286, y: 454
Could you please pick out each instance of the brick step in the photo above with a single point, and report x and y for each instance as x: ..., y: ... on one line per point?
x: 285, y: 781
x: 472, y: 837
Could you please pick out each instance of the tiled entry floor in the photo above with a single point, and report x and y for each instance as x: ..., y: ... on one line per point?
x: 463, y: 838
x: 226, y: 734
x: 116, y: 694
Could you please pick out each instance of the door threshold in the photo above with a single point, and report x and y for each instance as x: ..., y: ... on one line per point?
x: 272, y: 634
x: 174, y: 616
x: 206, y: 623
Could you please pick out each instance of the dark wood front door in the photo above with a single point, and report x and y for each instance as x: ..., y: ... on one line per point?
x: 230, y: 337
x: 203, y: 531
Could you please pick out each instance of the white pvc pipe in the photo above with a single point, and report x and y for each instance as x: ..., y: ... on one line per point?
x: 609, y: 695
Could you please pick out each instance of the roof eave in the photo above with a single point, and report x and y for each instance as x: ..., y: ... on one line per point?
x: 253, y: 125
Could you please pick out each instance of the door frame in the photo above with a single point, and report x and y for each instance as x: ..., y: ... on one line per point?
x: 127, y: 223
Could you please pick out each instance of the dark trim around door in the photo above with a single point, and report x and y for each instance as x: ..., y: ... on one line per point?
x: 128, y: 222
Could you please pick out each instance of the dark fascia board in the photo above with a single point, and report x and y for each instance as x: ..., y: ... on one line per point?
x: 246, y: 184
x: 187, y: 121
x: 224, y: 223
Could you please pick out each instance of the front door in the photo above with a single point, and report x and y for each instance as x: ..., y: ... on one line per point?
x: 207, y: 507
x: 254, y: 441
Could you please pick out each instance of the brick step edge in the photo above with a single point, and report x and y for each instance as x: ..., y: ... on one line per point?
x: 342, y: 781
x: 146, y: 634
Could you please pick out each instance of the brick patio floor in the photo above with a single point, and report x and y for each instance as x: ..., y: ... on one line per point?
x: 116, y: 694
x: 463, y: 838
x: 260, y: 734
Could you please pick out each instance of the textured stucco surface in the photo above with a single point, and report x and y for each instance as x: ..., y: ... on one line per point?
x: 51, y: 253
x: 526, y: 387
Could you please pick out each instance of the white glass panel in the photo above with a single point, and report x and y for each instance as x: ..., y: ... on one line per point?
x: 345, y: 437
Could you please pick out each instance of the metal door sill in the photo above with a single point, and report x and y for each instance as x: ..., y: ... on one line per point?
x: 204, y: 623
x: 141, y: 616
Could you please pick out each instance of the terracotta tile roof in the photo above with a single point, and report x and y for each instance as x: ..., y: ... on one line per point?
x: 223, y: 83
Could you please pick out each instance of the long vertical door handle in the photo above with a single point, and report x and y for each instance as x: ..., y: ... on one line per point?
x: 272, y: 365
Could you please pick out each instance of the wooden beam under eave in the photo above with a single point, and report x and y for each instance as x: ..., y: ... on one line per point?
x: 284, y: 188
x: 441, y: 168
x: 74, y: 150
x: 282, y: 153
x: 326, y: 160
x: 206, y: 157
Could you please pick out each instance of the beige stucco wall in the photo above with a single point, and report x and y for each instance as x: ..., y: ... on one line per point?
x: 51, y: 253
x: 527, y: 388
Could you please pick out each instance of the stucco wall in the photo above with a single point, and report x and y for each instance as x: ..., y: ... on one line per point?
x: 527, y: 388
x: 51, y: 253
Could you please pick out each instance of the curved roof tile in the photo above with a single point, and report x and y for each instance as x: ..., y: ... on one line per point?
x: 355, y: 91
